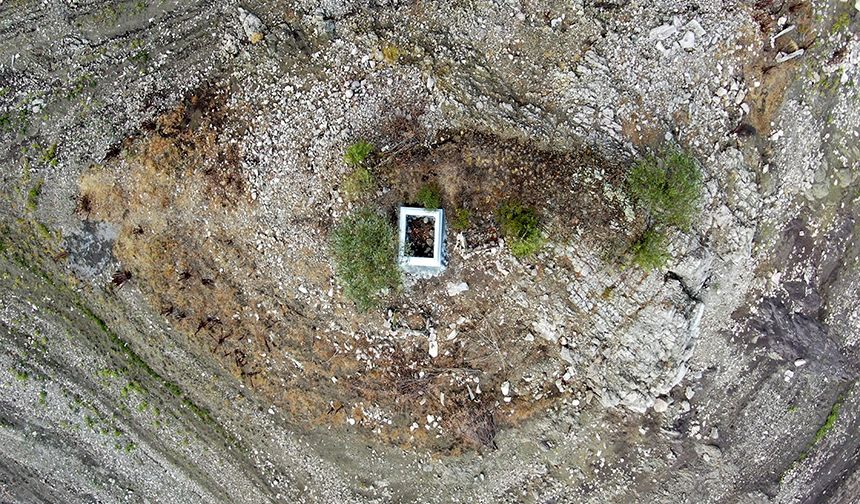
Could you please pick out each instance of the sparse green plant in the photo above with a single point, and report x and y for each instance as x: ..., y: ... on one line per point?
x: 391, y: 53
x: 48, y: 155
x: 829, y: 422
x: 33, y: 195
x: 668, y: 188
x: 80, y: 84
x: 841, y: 23
x: 607, y: 293
x: 649, y: 251
x: 520, y: 226
x: 43, y: 397
x: 173, y: 388
x: 43, y: 231
x: 130, y: 387
x: 357, y: 153
x: 461, y: 219
x: 201, y: 412
x: 429, y: 196
x: 363, y: 246
x: 358, y: 182
x: 141, y: 57
x: 107, y: 373
x: 107, y: 15
x: 21, y: 376
x: 15, y: 121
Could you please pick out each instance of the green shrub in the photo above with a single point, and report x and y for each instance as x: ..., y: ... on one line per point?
x: 358, y: 182
x: 461, y: 219
x: 668, y: 188
x: 363, y: 247
x: 521, y: 228
x: 357, y: 153
x: 429, y: 196
x: 649, y: 252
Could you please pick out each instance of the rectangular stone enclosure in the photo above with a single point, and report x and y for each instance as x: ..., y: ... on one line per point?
x: 422, y: 241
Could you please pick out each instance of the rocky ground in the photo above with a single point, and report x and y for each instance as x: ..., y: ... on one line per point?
x: 173, y: 330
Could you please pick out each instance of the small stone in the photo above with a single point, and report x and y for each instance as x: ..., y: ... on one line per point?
x: 431, y: 83
x: 662, y: 32
x: 688, y: 42
x: 568, y: 374
x: 695, y: 27
x: 456, y: 288
x: 782, y: 57
x: 709, y: 452
x: 789, y: 374
x: 800, y: 362
x: 689, y: 393
x: 37, y: 105
x: 349, y: 94
x: 506, y: 388
x: 433, y: 348
x: 660, y: 406
x: 567, y: 355
x: 252, y: 26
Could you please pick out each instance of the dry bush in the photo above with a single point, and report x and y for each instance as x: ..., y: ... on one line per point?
x: 476, y: 426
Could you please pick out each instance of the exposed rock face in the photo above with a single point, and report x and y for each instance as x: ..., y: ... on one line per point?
x: 171, y: 324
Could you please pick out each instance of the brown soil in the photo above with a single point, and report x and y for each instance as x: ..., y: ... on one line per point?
x: 480, y: 172
x: 178, y: 194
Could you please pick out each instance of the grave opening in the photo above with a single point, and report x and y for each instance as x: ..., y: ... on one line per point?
x: 420, y: 237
